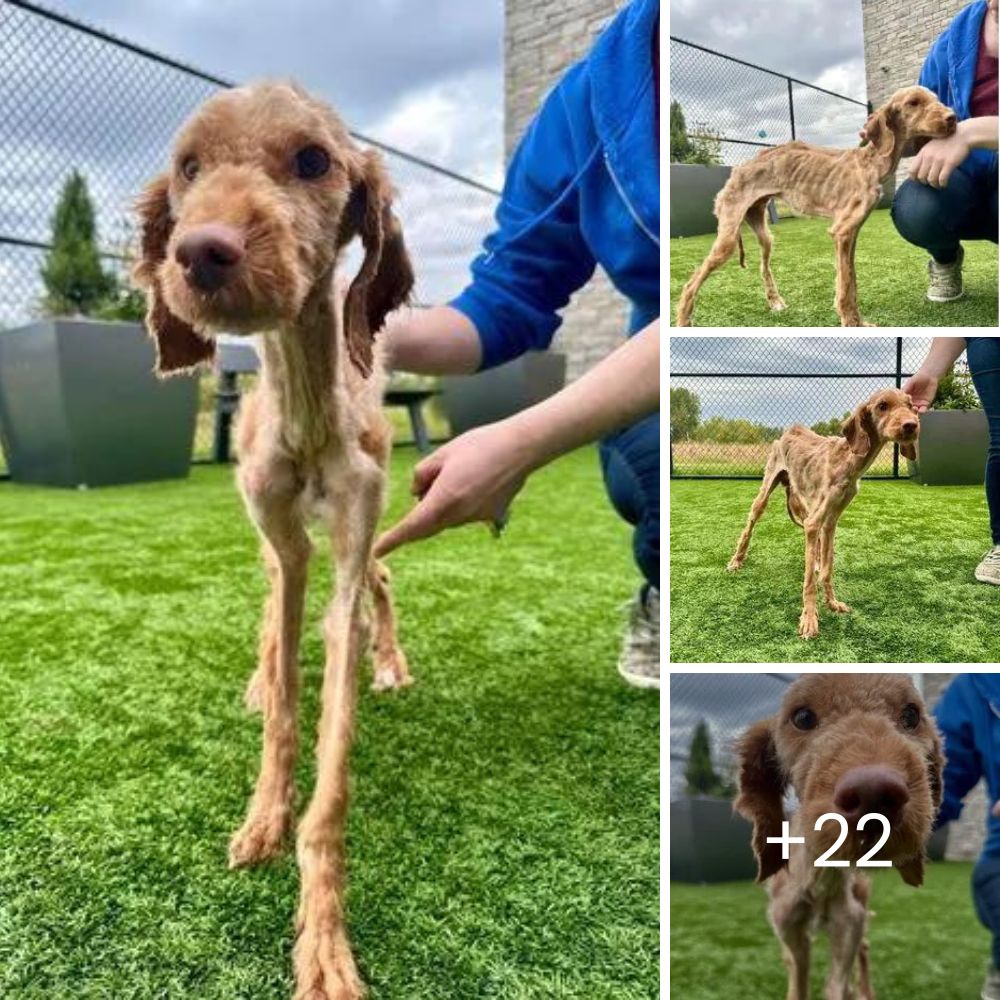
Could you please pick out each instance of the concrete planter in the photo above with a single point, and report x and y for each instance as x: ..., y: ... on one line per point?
x: 952, y: 448
x: 693, y: 188
x: 473, y: 400
x: 709, y: 842
x: 80, y: 406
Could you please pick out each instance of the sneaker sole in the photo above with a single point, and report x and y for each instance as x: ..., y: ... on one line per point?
x: 945, y: 298
x: 639, y: 680
x: 987, y: 579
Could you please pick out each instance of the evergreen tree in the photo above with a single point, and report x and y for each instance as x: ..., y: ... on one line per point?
x: 699, y: 774
x: 75, y: 282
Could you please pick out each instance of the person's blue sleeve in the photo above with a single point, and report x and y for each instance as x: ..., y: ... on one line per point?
x: 964, y: 765
x: 537, y: 256
x: 934, y: 73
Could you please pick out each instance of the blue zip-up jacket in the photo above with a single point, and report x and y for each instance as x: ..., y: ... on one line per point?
x: 968, y: 716
x: 950, y: 69
x: 583, y: 188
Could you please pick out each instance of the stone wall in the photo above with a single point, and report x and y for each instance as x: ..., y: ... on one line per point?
x: 898, y: 36
x: 966, y: 835
x: 541, y: 39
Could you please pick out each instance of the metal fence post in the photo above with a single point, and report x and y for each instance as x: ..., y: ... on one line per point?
x: 899, y: 383
x: 791, y: 107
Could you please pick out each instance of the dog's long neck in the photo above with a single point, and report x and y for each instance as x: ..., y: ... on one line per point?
x: 299, y: 371
x: 883, y: 161
x: 859, y: 464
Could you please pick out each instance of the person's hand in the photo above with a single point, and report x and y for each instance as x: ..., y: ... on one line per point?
x: 472, y: 478
x: 934, y: 164
x: 923, y: 389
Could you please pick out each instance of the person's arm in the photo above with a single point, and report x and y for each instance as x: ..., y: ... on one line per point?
x: 922, y: 385
x: 436, y: 341
x: 963, y: 764
x: 475, y: 476
x: 934, y: 163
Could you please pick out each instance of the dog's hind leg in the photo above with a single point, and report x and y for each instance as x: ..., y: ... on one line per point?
x: 730, y: 216
x: 774, y: 473
x: 757, y: 220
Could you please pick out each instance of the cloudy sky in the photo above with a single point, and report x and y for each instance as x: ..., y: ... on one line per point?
x: 425, y: 77
x: 781, y: 402
x: 812, y: 40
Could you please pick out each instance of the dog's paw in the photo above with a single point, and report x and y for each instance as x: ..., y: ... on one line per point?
x: 733, y: 565
x: 808, y: 625
x: 260, y: 838
x: 778, y: 304
x: 324, y: 967
x: 839, y: 607
x: 391, y: 672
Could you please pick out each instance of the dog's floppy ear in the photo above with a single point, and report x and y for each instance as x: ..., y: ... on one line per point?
x: 178, y: 346
x: 859, y: 429
x: 935, y: 767
x: 762, y: 786
x: 880, y: 129
x: 908, y: 450
x: 912, y: 871
x: 385, y: 279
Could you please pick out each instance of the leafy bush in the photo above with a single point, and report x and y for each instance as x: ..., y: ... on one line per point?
x: 705, y: 148
x: 723, y: 430
x: 685, y: 414
x: 956, y: 391
x: 700, y: 776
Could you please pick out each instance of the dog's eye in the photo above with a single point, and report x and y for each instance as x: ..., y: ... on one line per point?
x: 913, y: 102
x: 311, y: 162
x: 910, y: 717
x: 804, y: 719
x: 883, y: 406
x: 189, y: 168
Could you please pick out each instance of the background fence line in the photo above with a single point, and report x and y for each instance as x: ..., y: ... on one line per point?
x: 759, y: 394
x: 737, y: 107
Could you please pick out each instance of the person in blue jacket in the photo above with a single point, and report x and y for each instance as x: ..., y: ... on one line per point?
x: 582, y: 189
x: 968, y: 716
x: 951, y: 195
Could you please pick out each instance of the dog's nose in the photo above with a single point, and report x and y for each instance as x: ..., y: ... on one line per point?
x: 871, y: 789
x: 209, y: 254
x: 910, y: 427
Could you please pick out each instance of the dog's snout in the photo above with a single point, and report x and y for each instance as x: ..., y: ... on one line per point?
x: 910, y: 428
x: 209, y: 254
x: 871, y: 789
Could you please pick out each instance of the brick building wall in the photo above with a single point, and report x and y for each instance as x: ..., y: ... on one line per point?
x: 898, y: 36
x: 966, y: 835
x: 541, y: 39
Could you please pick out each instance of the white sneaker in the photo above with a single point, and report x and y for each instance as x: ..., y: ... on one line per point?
x: 639, y: 663
x: 991, y: 988
x: 988, y: 571
x: 945, y: 280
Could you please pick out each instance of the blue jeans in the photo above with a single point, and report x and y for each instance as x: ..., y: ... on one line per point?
x: 630, y: 461
x: 986, y: 896
x: 983, y: 354
x: 939, y: 219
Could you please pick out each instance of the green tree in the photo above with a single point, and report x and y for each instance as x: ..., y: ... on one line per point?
x: 75, y: 282
x: 831, y: 427
x: 685, y: 413
x: 700, y: 774
x: 956, y: 391
x: 722, y: 430
x: 705, y: 148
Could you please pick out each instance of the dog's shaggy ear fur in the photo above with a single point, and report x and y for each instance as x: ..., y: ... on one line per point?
x: 762, y: 786
x: 912, y: 871
x: 178, y: 347
x: 880, y: 129
x: 908, y: 450
x: 385, y: 279
x: 859, y: 429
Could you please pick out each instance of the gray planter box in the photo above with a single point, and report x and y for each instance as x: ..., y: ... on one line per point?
x: 80, y: 406
x: 709, y: 842
x: 693, y: 188
x: 473, y: 400
x: 952, y: 448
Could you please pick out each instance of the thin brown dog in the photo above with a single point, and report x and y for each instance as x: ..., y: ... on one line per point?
x: 244, y: 234
x: 820, y: 475
x: 849, y: 744
x: 841, y: 184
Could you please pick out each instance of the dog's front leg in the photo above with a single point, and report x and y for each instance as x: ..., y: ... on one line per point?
x: 809, y: 619
x: 795, y: 954
x: 826, y: 570
x: 846, y: 927
x: 324, y: 966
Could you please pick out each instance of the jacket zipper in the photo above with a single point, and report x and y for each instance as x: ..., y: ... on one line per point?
x: 631, y: 210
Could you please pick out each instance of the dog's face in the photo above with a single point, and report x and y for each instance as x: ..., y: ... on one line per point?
x: 850, y: 744
x: 264, y: 190
x: 911, y: 113
x: 888, y: 415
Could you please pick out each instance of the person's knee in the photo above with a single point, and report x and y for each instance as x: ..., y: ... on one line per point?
x: 917, y: 214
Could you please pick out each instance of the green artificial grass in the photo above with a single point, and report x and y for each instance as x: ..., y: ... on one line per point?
x: 926, y: 943
x: 892, y: 279
x: 503, y: 835
x: 905, y: 554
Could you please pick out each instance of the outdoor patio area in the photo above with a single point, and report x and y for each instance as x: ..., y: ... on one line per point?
x: 503, y: 834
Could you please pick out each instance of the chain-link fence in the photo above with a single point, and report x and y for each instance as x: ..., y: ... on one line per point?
x: 730, y: 397
x: 76, y: 98
x: 733, y: 109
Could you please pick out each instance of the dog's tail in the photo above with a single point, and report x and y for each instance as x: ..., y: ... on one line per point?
x: 783, y: 479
